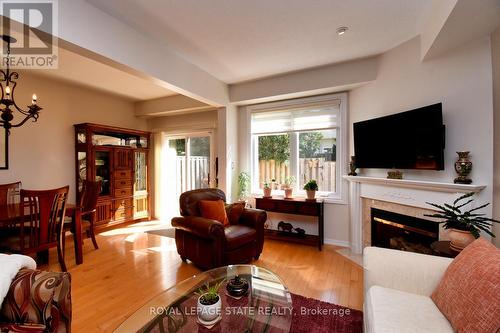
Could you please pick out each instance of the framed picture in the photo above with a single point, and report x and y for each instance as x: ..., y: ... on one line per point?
x: 4, y: 149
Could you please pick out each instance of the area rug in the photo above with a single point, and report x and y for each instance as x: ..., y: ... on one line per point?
x: 315, y: 316
x: 169, y: 232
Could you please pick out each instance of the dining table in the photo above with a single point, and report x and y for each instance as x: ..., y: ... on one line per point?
x: 13, y: 213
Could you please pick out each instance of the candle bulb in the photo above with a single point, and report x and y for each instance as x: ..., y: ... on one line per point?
x: 33, y: 99
x: 7, y: 91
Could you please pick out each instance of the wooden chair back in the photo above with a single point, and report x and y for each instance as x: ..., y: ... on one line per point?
x: 10, y: 193
x: 89, y: 195
x: 44, y: 218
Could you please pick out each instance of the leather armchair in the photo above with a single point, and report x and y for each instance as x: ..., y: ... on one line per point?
x: 207, y: 243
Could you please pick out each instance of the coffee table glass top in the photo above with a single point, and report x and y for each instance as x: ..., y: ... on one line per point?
x: 267, y: 307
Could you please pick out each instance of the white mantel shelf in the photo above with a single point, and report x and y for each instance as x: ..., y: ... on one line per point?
x: 417, y: 184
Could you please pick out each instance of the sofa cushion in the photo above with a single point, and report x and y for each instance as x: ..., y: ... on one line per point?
x: 469, y: 292
x: 214, y: 210
x: 390, y: 310
x: 238, y: 235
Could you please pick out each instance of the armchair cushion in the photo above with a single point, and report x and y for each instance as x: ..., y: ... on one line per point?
x: 238, y: 235
x: 234, y: 212
x: 213, y: 210
x: 40, y: 298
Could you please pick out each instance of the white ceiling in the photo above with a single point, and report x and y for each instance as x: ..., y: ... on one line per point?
x: 82, y: 70
x: 239, y: 40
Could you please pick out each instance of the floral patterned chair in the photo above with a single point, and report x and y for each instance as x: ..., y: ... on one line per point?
x: 37, y: 302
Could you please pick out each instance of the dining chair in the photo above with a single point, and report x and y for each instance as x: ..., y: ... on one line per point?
x: 10, y: 193
x: 88, y: 203
x: 41, y: 223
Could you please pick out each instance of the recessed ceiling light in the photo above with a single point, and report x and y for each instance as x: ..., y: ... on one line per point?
x: 342, y: 30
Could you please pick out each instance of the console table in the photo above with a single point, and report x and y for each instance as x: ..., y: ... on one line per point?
x: 295, y: 206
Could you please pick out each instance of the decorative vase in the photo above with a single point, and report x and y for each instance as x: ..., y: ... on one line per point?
x: 459, y: 239
x: 463, y: 167
x: 267, y: 193
x: 237, y: 286
x: 208, y: 313
x: 288, y: 193
x: 352, y: 166
x: 311, y: 194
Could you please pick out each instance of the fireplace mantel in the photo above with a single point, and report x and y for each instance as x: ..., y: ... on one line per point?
x: 413, y: 193
x: 418, y: 184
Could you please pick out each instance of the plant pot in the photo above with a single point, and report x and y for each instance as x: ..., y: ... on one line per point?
x: 208, y: 313
x: 288, y: 193
x: 267, y: 193
x: 459, y: 239
x: 311, y: 194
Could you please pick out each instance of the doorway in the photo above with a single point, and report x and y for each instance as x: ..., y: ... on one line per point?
x: 187, y: 165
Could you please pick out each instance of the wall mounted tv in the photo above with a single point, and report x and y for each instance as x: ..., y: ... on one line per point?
x: 408, y: 140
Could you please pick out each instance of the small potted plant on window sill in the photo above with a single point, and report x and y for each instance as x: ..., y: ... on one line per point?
x: 464, y: 226
x: 267, y: 190
x: 311, y: 187
x: 209, y: 303
x: 288, y: 186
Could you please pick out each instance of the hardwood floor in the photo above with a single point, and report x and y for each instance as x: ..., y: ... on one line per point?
x: 132, y: 266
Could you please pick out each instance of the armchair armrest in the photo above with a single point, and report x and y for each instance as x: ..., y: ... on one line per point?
x: 199, y: 226
x: 253, y: 218
x: 406, y: 271
x: 39, y: 298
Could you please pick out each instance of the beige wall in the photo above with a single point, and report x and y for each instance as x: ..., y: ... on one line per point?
x: 42, y: 153
x: 495, y: 56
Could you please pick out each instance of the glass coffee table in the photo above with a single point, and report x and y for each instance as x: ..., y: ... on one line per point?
x: 267, y: 307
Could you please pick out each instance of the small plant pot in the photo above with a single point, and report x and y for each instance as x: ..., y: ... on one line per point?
x: 459, y: 239
x: 267, y: 193
x: 311, y: 195
x: 208, y: 313
x: 288, y: 193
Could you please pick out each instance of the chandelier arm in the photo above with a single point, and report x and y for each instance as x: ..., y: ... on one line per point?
x: 34, y: 116
x: 4, y: 75
x: 12, y: 77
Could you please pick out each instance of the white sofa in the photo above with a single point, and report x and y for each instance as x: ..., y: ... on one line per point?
x: 398, y: 286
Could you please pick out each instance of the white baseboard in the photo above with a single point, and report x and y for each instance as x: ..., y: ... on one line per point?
x: 337, y: 242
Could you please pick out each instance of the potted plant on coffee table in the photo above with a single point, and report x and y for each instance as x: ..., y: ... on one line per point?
x: 311, y: 187
x: 209, y: 304
x: 464, y: 225
x: 288, y: 186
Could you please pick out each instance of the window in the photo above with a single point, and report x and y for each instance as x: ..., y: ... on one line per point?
x: 298, y: 140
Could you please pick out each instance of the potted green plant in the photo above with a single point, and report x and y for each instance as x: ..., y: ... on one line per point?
x: 267, y: 189
x: 244, y: 186
x: 464, y: 225
x: 311, y: 187
x: 209, y: 304
x: 288, y: 186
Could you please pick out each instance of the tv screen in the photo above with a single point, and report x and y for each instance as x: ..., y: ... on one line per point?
x: 408, y: 140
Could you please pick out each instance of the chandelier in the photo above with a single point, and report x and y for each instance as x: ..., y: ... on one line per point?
x: 8, y: 83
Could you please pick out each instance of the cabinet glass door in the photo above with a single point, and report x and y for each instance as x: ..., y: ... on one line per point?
x: 103, y: 170
x: 141, y: 172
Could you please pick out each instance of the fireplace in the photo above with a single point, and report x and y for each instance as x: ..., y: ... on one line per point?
x: 402, y: 232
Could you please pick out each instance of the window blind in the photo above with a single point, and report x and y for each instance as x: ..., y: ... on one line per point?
x: 313, y: 117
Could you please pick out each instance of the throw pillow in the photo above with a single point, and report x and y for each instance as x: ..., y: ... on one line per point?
x: 234, y: 212
x: 469, y: 293
x: 213, y: 210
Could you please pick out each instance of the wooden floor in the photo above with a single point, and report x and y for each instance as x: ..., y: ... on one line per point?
x: 132, y: 266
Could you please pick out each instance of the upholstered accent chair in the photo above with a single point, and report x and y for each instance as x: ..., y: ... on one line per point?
x: 208, y: 243
x: 37, y: 301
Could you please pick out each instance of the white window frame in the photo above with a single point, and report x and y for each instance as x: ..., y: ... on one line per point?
x: 340, y: 194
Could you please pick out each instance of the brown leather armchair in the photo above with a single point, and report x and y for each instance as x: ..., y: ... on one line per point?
x: 207, y: 243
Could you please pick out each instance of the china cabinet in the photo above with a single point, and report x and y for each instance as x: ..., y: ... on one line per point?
x: 117, y: 157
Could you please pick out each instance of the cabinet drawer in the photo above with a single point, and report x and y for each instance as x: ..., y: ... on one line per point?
x: 265, y: 204
x: 308, y: 209
x: 286, y: 207
x: 123, y: 203
x: 123, y: 174
x: 123, y: 183
x: 124, y: 214
x: 123, y: 192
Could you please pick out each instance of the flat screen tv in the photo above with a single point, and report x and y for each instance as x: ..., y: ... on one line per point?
x: 408, y: 140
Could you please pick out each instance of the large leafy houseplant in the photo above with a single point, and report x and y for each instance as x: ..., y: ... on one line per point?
x: 457, y: 218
